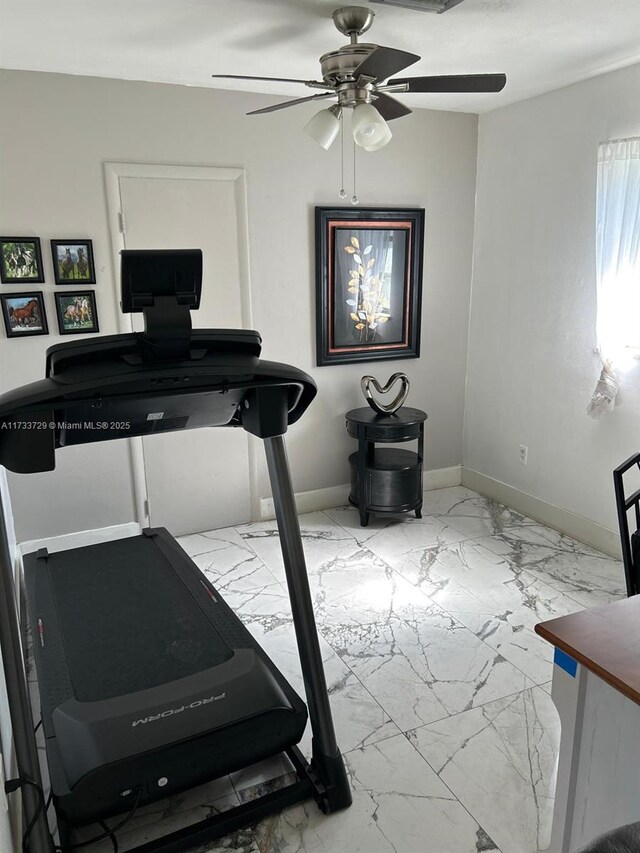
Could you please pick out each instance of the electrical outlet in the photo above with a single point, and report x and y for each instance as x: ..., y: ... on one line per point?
x: 524, y: 453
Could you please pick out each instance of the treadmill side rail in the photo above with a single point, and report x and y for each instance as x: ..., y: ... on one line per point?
x: 19, y: 704
x: 326, y: 760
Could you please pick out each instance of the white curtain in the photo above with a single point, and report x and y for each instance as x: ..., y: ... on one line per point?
x: 617, y: 265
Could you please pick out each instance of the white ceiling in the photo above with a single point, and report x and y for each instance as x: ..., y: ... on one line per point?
x: 540, y: 44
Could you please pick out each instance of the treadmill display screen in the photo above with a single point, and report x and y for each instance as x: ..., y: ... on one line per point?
x: 128, y: 621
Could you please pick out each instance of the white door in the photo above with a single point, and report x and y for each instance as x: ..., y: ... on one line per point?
x: 197, y: 480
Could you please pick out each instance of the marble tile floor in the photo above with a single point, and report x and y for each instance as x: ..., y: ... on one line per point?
x: 439, y: 686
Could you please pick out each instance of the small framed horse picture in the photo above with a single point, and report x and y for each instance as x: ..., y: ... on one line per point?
x: 77, y: 313
x: 73, y: 262
x: 24, y: 314
x: 21, y: 260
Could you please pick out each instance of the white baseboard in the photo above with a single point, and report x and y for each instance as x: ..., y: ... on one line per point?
x: 442, y: 478
x: 577, y: 526
x: 81, y: 538
x: 318, y: 499
x: 311, y: 501
x: 580, y: 528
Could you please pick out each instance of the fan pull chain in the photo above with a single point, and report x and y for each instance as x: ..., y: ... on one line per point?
x: 343, y: 192
x: 354, y: 197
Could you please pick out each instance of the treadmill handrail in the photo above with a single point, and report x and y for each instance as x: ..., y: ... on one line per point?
x: 103, y: 381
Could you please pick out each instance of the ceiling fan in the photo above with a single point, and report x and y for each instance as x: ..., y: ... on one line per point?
x: 358, y: 75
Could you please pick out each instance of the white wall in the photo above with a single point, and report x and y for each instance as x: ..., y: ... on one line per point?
x: 531, y: 365
x: 51, y: 184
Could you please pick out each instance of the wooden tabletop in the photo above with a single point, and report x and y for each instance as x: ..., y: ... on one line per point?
x: 606, y: 640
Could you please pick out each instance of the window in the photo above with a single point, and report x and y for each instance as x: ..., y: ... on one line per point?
x: 617, y: 264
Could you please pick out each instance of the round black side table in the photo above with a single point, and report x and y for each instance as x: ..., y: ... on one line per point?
x: 386, y: 479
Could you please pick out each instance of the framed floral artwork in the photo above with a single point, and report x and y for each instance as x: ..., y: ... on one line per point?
x: 368, y: 283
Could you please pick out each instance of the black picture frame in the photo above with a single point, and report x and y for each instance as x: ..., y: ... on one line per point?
x: 73, y: 262
x: 368, y: 283
x: 72, y: 323
x: 24, y: 325
x: 17, y: 254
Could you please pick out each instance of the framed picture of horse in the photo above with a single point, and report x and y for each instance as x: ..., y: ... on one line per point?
x: 21, y: 260
x: 24, y: 314
x: 77, y: 313
x: 73, y: 262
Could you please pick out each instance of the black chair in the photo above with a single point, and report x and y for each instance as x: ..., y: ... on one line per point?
x: 630, y: 539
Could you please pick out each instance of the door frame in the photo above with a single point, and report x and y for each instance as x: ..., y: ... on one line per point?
x: 113, y: 171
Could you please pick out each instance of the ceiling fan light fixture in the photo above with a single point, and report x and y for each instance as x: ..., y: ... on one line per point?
x: 323, y: 127
x: 384, y: 140
x: 368, y: 127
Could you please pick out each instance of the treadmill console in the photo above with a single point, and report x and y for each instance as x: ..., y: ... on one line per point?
x: 169, y: 377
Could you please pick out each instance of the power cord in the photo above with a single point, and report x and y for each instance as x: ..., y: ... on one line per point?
x: 114, y: 840
x: 108, y: 833
x: 12, y: 785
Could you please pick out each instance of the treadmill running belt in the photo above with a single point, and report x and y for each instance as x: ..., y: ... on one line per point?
x: 167, y: 638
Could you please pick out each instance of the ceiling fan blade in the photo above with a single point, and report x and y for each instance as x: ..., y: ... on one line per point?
x: 389, y: 108
x: 270, y: 79
x: 286, y: 104
x: 384, y: 61
x: 453, y: 83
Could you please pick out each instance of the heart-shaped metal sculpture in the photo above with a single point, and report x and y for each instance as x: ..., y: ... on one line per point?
x: 398, y: 400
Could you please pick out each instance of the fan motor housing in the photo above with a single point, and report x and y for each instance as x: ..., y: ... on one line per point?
x: 338, y: 66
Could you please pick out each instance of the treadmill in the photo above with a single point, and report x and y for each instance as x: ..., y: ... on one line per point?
x: 149, y: 683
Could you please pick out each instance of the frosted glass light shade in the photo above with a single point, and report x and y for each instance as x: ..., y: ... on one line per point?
x: 368, y: 126
x: 324, y: 126
x: 381, y: 142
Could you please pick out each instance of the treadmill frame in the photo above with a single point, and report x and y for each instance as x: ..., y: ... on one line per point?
x: 164, y: 285
x: 323, y: 779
